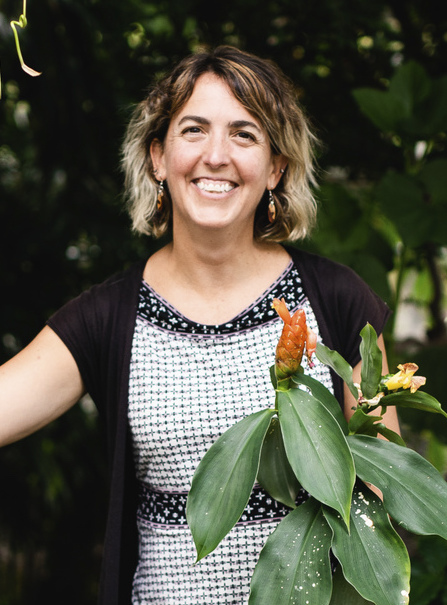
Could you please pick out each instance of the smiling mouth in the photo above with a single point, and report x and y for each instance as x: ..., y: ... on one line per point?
x: 215, y: 186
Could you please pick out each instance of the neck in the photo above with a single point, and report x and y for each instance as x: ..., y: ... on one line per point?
x: 216, y: 257
x: 210, y: 279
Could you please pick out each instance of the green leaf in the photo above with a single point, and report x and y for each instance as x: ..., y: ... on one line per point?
x: 392, y: 436
x: 320, y: 392
x: 344, y: 593
x: 431, y: 116
x: 383, y: 109
x: 365, y: 424
x: 373, y: 557
x: 411, y: 84
x: 401, y: 198
x: 294, y: 565
x: 317, y: 449
x: 335, y: 361
x: 371, y: 362
x: 362, y: 423
x: 419, y: 401
x: 414, y: 492
x: 223, y: 481
x: 434, y: 176
x: 275, y: 473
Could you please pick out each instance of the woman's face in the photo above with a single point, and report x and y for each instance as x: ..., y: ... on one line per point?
x: 216, y: 160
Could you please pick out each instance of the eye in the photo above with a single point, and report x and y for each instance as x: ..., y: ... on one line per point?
x: 246, y: 136
x: 191, y: 130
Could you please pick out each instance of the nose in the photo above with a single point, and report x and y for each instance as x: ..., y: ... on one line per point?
x: 216, y: 152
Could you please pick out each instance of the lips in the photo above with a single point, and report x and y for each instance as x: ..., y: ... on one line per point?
x: 215, y: 186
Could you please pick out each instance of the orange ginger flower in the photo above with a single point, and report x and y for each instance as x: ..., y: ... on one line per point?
x: 405, y: 379
x: 295, y: 336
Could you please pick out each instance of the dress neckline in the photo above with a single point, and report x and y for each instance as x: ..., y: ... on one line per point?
x: 156, y: 310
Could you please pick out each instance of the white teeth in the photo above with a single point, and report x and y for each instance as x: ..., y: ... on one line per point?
x: 215, y: 187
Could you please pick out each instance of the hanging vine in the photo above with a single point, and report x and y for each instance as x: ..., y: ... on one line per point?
x: 21, y: 22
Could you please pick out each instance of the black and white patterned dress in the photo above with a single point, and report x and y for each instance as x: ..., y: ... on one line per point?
x: 188, y: 384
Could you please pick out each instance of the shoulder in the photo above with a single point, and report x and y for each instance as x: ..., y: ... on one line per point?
x: 102, y: 301
x: 325, y: 275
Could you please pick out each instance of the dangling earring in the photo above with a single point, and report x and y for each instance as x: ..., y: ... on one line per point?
x: 271, y: 207
x: 160, y: 196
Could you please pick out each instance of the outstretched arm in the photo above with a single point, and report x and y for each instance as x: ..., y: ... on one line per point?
x: 37, y: 386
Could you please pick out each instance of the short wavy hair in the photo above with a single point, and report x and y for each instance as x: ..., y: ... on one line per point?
x: 261, y: 87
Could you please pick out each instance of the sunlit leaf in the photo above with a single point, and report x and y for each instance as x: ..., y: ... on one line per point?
x: 317, y: 449
x: 294, y: 565
x: 320, y: 392
x: 414, y: 492
x: 223, y: 481
x: 373, y: 557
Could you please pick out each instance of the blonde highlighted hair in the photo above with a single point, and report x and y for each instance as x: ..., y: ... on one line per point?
x: 269, y: 96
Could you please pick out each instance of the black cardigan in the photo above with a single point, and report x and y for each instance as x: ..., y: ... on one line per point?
x: 97, y: 327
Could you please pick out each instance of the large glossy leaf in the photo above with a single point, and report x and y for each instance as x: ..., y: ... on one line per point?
x: 294, y: 566
x: 419, y: 401
x: 275, y: 473
x: 317, y: 449
x: 223, y: 481
x: 414, y: 492
x: 373, y: 557
x: 334, y: 360
x: 324, y: 396
x: 344, y: 593
x: 371, y: 362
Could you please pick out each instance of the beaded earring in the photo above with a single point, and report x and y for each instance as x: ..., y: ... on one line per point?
x: 160, y: 196
x: 271, y: 207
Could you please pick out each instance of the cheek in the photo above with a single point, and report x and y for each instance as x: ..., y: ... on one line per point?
x: 180, y: 161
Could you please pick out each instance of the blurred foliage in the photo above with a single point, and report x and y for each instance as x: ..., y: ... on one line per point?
x: 371, y: 76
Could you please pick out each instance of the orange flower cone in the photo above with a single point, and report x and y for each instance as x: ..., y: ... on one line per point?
x: 295, y: 337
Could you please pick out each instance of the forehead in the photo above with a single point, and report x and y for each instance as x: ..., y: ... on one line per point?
x: 211, y: 96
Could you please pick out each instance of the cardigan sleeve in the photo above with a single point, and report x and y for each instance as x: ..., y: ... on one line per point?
x: 97, y: 327
x: 342, y: 301
x: 343, y: 304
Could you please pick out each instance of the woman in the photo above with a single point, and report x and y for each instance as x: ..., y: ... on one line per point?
x: 177, y: 349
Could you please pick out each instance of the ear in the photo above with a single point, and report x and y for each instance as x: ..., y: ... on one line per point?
x: 157, y: 157
x: 279, y: 164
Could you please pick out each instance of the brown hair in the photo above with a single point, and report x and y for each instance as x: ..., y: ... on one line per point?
x: 261, y: 87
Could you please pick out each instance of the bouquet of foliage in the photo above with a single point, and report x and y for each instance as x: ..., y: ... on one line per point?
x: 305, y: 441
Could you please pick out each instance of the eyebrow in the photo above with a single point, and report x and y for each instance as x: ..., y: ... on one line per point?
x: 206, y: 122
